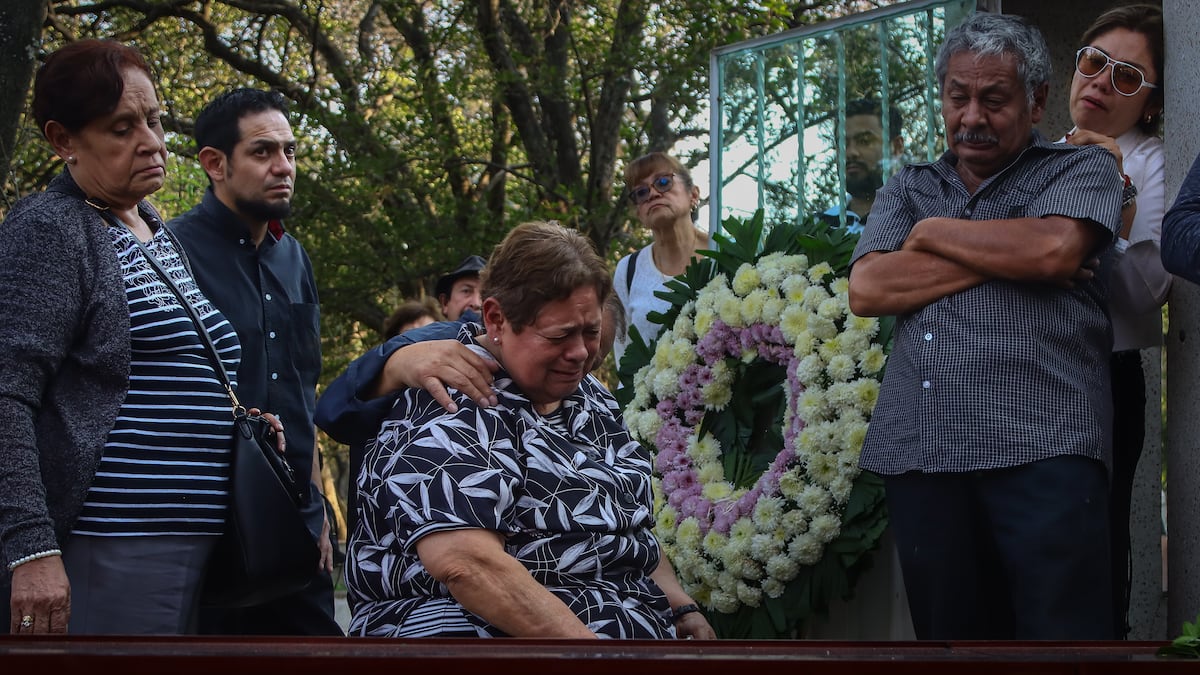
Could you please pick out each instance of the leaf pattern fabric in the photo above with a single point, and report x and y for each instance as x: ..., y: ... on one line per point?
x: 570, y: 492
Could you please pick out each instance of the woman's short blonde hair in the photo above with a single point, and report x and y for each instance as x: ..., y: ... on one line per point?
x: 540, y: 262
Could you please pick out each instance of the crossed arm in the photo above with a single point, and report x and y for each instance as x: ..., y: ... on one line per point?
x: 944, y: 256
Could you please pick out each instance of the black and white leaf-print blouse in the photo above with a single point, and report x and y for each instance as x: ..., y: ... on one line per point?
x: 570, y: 492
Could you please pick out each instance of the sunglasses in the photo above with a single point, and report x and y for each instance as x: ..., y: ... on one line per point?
x: 662, y: 184
x: 1127, y: 79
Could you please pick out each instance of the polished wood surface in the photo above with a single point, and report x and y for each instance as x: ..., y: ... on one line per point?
x: 44, y: 655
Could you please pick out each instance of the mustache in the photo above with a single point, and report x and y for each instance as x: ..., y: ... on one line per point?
x: 975, y: 137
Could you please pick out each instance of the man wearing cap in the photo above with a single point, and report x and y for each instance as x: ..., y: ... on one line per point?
x: 458, y: 291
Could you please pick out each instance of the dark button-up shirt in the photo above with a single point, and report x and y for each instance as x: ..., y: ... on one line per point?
x: 1005, y: 373
x: 269, y: 295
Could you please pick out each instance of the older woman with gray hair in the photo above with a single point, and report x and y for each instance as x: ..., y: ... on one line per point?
x: 530, y: 518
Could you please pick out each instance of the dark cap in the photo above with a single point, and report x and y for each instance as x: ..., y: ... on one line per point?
x: 470, y: 266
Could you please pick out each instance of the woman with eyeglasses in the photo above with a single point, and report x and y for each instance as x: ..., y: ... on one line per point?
x: 1117, y: 101
x: 664, y: 199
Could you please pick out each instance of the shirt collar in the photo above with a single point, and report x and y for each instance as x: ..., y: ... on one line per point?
x: 231, y: 224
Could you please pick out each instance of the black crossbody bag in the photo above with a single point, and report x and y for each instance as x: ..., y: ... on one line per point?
x: 266, y: 551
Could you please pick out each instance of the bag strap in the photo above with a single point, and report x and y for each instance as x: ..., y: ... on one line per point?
x: 201, y: 330
x: 629, y: 269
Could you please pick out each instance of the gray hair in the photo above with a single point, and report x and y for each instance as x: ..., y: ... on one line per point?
x: 985, y: 34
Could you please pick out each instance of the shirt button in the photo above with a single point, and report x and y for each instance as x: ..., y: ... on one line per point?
x: 627, y: 497
x: 275, y: 376
x: 242, y: 242
x: 272, y: 334
x: 928, y: 337
x: 926, y: 384
x: 267, y: 296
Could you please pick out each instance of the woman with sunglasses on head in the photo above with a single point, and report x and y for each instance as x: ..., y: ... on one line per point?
x: 1117, y: 101
x: 664, y: 199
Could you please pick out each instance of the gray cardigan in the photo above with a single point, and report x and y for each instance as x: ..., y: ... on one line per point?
x: 64, y: 364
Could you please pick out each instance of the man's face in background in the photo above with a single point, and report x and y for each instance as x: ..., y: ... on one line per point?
x: 864, y: 155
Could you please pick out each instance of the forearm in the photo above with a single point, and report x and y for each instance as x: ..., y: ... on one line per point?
x: 664, y: 576
x: 495, y: 586
x: 1049, y: 249
x: 1181, y: 230
x: 901, y: 282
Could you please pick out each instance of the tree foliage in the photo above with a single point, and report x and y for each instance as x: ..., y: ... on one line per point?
x: 429, y: 128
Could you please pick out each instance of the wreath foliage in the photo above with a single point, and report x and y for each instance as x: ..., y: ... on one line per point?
x: 755, y: 399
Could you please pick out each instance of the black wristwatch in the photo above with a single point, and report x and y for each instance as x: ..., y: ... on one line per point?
x: 681, y: 610
x: 1129, y: 193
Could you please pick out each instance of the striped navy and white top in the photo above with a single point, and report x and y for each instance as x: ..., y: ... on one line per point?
x: 165, y: 468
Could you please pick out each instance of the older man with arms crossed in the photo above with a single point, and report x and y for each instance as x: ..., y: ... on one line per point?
x: 992, y: 429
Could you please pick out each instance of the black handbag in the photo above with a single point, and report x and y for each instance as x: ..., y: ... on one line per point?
x: 266, y: 551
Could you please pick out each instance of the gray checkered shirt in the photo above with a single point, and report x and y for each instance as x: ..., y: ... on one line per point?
x: 1004, y: 373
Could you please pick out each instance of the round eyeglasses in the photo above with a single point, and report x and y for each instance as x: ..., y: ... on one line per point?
x: 662, y: 184
x: 1127, y: 79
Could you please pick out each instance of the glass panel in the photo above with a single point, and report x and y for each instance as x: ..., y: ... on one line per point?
x: 799, y: 129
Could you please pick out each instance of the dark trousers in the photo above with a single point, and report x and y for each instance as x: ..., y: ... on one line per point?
x: 1018, y: 553
x: 1129, y: 435
x: 308, y: 612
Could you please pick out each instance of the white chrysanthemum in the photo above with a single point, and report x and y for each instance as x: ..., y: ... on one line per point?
x: 790, y: 485
x: 794, y: 523
x: 867, y: 325
x: 684, y: 324
x: 832, y: 308
x: 793, y: 321
x: 704, y: 449
x: 866, y: 393
x: 771, y: 270
x: 840, y: 285
x: 666, y: 517
x: 783, y: 568
x: 745, y: 280
x: 767, y: 512
x: 773, y: 587
x: 714, y: 544
x: 819, y: 271
x: 822, y: 328
x: 815, y: 500
x: 752, y: 307
x: 841, y: 368
x: 712, y: 472
x: 825, y: 527
x: 716, y: 491
x: 704, y: 320
x: 823, y: 469
x: 809, y: 370
x: 716, y: 394
x: 773, y: 308
x: 794, y: 288
x: 872, y: 361
x: 763, y: 546
x: 841, y: 487
x: 749, y: 595
x: 681, y: 354
x: 806, y: 549
x: 666, y: 384
x: 741, y: 533
x: 723, y: 601
x: 729, y: 310
x: 688, y: 533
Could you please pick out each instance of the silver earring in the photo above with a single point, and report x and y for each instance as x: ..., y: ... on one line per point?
x: 70, y: 159
x: 495, y: 339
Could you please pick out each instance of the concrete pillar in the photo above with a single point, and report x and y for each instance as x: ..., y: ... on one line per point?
x: 1183, y: 338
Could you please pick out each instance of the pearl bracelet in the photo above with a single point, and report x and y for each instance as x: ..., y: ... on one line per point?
x: 31, y: 557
